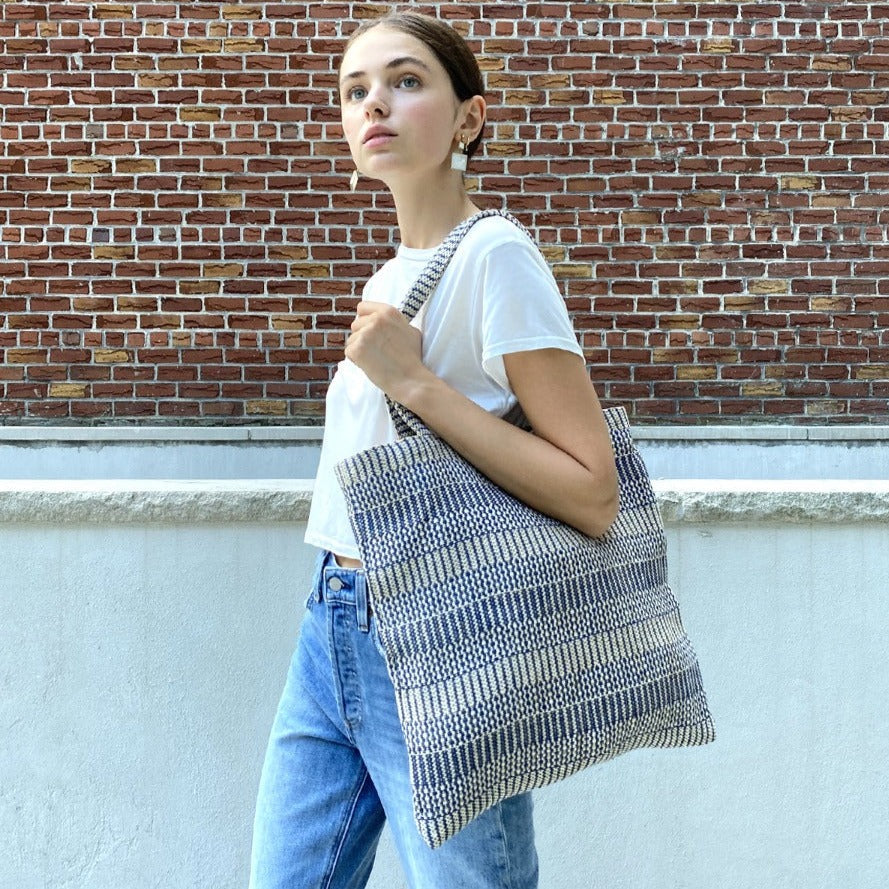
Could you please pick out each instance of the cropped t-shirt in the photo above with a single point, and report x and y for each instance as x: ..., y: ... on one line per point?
x: 497, y: 296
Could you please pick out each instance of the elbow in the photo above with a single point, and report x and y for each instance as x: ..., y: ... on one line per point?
x: 603, y: 519
x: 602, y: 509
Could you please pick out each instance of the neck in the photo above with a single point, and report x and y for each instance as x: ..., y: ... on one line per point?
x: 427, y: 213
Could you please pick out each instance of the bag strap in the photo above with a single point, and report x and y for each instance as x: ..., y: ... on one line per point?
x: 407, y: 422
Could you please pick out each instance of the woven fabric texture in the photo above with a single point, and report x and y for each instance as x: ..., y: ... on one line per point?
x: 521, y: 650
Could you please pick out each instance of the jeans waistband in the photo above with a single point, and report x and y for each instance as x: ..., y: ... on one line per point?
x: 344, y: 585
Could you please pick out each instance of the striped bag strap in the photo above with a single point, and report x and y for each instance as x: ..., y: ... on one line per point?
x: 406, y: 422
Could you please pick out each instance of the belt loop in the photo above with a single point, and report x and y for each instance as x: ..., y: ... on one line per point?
x: 320, y: 564
x: 361, y: 601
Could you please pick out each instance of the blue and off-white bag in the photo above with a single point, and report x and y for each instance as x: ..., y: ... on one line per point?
x: 521, y: 650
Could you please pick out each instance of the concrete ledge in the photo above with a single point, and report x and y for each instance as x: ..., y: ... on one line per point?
x: 215, y: 434
x: 762, y: 433
x: 149, y: 501
x: 829, y: 501
x: 288, y: 500
x: 151, y: 434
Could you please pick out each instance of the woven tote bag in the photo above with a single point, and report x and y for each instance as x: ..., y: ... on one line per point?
x: 521, y: 650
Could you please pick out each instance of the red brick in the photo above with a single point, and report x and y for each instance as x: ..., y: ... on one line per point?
x: 699, y: 157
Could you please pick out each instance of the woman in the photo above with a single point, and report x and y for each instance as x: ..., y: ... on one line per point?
x: 495, y: 331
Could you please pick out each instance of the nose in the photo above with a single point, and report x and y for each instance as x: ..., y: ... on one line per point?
x: 375, y: 103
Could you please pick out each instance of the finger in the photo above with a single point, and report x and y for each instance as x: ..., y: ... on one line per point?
x: 364, y: 317
x: 369, y: 307
x: 364, y: 321
x: 364, y: 314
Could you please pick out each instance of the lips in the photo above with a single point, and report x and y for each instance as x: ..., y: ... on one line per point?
x: 376, y: 134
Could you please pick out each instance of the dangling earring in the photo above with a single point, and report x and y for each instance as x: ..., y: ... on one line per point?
x: 458, y: 157
x: 353, y: 180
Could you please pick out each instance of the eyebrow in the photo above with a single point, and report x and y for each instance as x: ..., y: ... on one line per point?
x: 395, y: 63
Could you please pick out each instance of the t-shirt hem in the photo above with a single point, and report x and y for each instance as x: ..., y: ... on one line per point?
x: 350, y: 551
x: 498, y: 350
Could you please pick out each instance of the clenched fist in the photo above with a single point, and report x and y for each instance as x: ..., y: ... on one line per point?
x: 386, y: 347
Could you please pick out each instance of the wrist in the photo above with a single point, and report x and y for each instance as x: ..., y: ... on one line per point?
x: 416, y: 391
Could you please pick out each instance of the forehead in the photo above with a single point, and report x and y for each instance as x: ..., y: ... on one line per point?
x: 382, y: 44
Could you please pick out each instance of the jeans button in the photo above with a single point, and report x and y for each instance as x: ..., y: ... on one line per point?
x: 335, y: 584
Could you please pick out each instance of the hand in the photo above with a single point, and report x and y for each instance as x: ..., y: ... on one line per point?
x: 386, y: 347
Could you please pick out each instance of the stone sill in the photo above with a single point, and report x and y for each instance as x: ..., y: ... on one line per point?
x: 214, y: 434
x: 285, y: 500
x: 153, y: 434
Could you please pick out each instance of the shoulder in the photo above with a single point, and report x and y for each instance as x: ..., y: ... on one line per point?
x: 389, y: 267
x: 496, y: 243
x: 383, y: 280
x: 496, y: 231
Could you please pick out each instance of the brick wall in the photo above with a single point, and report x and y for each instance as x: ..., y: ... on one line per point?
x: 710, y: 182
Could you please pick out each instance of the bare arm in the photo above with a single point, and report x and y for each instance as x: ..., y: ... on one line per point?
x: 564, y: 469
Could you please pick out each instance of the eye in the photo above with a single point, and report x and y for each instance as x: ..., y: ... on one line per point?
x: 356, y: 94
x: 410, y: 81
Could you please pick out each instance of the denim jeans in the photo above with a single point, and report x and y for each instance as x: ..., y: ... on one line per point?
x: 336, y: 768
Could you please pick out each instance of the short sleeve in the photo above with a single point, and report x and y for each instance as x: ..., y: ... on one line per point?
x: 522, y: 308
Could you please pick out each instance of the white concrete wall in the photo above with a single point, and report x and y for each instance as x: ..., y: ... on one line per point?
x: 145, y: 630
x: 257, y: 452
x: 145, y: 452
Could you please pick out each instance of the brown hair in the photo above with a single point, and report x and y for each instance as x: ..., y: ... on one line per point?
x: 446, y: 45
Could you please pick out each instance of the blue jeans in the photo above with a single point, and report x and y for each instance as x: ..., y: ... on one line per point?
x: 336, y: 768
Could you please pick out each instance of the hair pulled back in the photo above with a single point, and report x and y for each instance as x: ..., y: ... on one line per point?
x: 446, y: 45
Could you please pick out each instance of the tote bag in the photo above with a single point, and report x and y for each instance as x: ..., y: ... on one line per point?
x: 520, y: 649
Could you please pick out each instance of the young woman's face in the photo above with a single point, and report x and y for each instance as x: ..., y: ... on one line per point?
x: 399, y: 111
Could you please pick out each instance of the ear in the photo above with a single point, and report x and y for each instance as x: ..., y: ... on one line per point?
x: 471, y: 118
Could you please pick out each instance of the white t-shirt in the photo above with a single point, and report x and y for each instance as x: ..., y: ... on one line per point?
x: 497, y: 296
